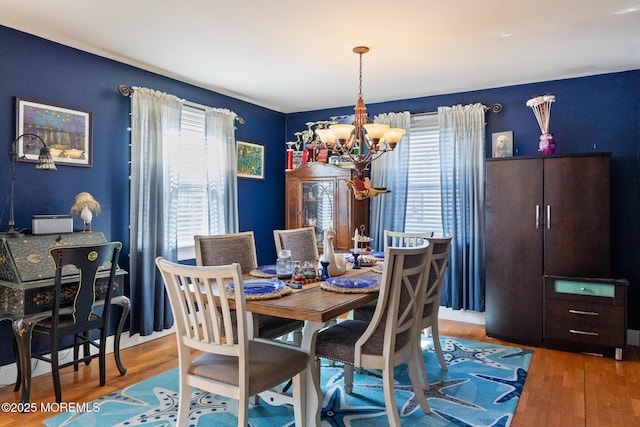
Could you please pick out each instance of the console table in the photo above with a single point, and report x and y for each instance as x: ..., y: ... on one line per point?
x: 26, y: 290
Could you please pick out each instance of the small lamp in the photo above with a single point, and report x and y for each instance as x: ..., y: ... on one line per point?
x: 45, y: 162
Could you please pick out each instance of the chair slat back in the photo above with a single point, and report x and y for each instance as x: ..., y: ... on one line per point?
x: 224, y: 249
x: 301, y: 242
x: 396, y: 316
x: 402, y: 240
x: 202, y: 323
x: 439, y: 261
x: 88, y: 259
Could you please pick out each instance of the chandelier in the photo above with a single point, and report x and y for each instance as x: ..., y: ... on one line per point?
x: 362, y: 142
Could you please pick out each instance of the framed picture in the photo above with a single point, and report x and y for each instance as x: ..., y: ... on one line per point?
x: 66, y: 132
x: 250, y: 160
x: 323, y: 154
x: 502, y: 144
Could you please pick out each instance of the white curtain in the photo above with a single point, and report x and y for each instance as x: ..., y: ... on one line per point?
x: 390, y: 171
x: 222, y: 175
x: 462, y: 140
x: 155, y: 129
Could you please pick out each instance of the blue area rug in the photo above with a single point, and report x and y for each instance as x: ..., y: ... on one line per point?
x: 481, y: 388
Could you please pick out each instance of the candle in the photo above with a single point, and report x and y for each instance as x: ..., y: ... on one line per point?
x: 355, y: 240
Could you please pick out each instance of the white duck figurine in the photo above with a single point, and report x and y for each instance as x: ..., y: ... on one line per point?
x: 337, y: 263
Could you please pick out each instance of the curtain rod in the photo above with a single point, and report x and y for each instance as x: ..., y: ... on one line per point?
x: 127, y: 91
x: 494, y: 108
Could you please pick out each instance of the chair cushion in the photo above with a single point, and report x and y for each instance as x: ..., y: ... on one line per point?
x: 268, y: 365
x: 338, y: 342
x: 271, y: 327
x: 365, y: 312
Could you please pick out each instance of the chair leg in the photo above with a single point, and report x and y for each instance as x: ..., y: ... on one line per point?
x: 417, y: 375
x: 348, y: 378
x: 86, y: 352
x: 102, y: 356
x: 76, y: 352
x: 390, y: 397
x: 184, y: 402
x: 297, y: 338
x: 438, y: 347
x: 55, y: 370
x: 418, y: 362
x: 243, y: 411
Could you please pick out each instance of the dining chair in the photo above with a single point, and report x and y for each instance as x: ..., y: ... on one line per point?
x: 240, y: 247
x: 215, y: 353
x: 397, y: 239
x: 388, y: 339
x: 301, y: 242
x: 404, y: 239
x: 433, y: 290
x: 433, y: 294
x: 81, y: 317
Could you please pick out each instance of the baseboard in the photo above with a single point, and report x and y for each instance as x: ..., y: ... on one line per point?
x: 8, y: 372
x: 467, y: 316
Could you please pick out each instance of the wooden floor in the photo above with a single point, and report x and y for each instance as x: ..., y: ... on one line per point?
x: 562, y: 389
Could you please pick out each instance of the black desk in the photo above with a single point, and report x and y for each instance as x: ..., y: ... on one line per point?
x: 26, y: 290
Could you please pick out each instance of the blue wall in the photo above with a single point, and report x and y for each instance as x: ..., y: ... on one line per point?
x: 602, y: 110
x: 39, y: 70
x: 591, y: 114
x: 36, y: 69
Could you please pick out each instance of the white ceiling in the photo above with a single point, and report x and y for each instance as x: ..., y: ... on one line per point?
x: 296, y: 55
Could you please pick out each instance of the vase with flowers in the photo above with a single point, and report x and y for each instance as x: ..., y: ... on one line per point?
x: 541, y: 106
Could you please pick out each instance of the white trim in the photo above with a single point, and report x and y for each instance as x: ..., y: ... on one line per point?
x: 467, y: 316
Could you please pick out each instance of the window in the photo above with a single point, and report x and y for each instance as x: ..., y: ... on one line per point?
x: 424, y: 206
x: 193, y: 204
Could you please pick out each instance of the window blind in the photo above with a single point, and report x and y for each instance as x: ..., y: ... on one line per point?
x: 193, y: 211
x: 424, y: 206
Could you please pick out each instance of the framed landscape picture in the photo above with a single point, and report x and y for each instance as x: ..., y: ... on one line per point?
x: 250, y: 160
x: 66, y: 132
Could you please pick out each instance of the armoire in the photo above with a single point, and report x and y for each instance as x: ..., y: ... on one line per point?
x: 318, y: 197
x: 548, y: 221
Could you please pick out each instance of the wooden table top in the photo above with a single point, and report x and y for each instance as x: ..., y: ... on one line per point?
x: 312, y: 303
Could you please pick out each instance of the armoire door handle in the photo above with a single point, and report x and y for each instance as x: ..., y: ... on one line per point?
x: 537, y: 217
x: 548, y: 217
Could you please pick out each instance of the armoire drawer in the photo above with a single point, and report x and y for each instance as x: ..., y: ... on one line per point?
x: 584, y: 313
x: 596, y: 324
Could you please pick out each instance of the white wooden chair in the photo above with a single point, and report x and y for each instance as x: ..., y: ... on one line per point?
x: 301, y: 242
x: 389, y: 338
x: 240, y: 247
x: 401, y: 239
x: 228, y: 366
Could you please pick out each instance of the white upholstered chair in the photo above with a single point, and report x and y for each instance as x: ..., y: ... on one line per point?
x: 214, y: 351
x: 388, y: 339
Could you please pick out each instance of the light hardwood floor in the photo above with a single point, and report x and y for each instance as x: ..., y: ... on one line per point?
x: 562, y: 389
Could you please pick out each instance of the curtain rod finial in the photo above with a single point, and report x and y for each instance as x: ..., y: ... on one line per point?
x: 125, y: 90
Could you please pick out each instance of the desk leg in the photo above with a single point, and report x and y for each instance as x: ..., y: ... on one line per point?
x: 125, y: 304
x: 22, y: 330
x: 313, y: 392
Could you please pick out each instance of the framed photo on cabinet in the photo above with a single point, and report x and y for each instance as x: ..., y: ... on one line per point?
x: 66, y: 132
x: 250, y: 160
x: 502, y: 144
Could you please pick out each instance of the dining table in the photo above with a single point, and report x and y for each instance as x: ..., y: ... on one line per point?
x: 316, y: 306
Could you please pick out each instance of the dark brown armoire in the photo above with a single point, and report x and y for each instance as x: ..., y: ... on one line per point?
x: 544, y: 216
